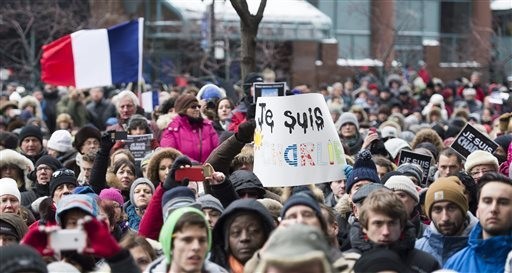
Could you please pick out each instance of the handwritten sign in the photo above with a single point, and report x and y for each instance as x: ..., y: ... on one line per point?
x: 470, y: 140
x: 295, y: 141
x: 139, y: 145
x: 419, y: 159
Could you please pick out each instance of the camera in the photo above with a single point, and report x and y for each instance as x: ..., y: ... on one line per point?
x: 68, y: 239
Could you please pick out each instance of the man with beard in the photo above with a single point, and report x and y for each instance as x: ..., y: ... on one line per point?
x: 447, y: 207
x: 490, y: 240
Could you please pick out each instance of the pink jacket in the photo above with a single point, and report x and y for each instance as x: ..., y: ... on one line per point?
x: 197, y: 142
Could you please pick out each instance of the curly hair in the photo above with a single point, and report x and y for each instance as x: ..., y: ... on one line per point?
x: 428, y: 135
x: 154, y: 163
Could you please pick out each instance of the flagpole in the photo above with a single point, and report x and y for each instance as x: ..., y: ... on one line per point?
x: 140, y: 80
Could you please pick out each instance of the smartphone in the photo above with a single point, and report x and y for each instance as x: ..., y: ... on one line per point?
x: 194, y: 173
x: 373, y: 130
x: 68, y: 239
x: 208, y: 170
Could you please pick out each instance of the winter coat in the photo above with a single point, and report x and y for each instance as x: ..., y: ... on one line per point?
x: 419, y: 226
x: 481, y: 255
x: 161, y: 266
x: 443, y: 247
x: 37, y: 190
x: 416, y: 260
x: 133, y: 217
x: 8, y: 156
x: 197, y: 142
x: 221, y: 157
x: 99, y: 112
x: 152, y: 220
x: 219, y: 253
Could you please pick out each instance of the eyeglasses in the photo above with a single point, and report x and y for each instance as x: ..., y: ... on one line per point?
x: 43, y: 168
x: 195, y: 107
x: 60, y: 173
x: 474, y: 173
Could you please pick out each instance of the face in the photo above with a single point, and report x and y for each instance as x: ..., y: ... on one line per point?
x: 61, y: 190
x: 86, y: 167
x: 90, y: 145
x: 71, y: 217
x: 408, y: 201
x: 212, y: 216
x: 31, y: 146
x: 125, y: 176
x: 224, y: 110
x: 141, y: 195
x: 141, y: 257
x: 96, y: 94
x: 381, y: 171
x: 7, y: 240
x: 448, y: 166
x: 338, y: 187
x: 448, y: 218
x: 495, y: 209
x: 245, y: 236
x: 382, y: 229
x: 11, y: 171
x: 189, y: 249
x: 194, y: 110
x: 126, y: 108
x: 53, y: 153
x: 138, y: 131
x: 479, y: 170
x: 348, y: 130
x: 304, y: 215
x: 43, y: 174
x: 9, y: 204
x: 163, y: 168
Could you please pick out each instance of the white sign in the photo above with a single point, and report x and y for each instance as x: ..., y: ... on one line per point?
x: 295, y: 142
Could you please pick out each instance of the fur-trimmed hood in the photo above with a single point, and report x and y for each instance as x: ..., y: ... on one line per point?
x: 31, y: 100
x: 155, y: 161
x: 8, y: 156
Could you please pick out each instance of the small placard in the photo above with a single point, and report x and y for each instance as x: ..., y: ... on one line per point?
x: 419, y: 159
x: 470, y: 139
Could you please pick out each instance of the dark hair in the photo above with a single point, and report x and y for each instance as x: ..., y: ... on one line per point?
x: 190, y: 219
x: 167, y: 105
x: 131, y: 240
x: 384, y: 162
x: 492, y: 177
x: 449, y: 152
x: 471, y: 188
x: 123, y: 162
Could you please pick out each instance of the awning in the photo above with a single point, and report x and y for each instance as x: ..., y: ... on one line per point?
x: 282, y: 20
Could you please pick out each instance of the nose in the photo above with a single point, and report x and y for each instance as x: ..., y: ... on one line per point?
x: 244, y: 237
x: 385, y: 230
x: 444, y: 215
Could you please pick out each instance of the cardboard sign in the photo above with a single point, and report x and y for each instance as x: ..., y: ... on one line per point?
x: 295, y: 141
x: 139, y: 145
x: 419, y: 159
x: 470, y: 139
x: 269, y: 90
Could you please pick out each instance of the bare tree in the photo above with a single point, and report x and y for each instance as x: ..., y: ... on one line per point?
x: 248, y: 31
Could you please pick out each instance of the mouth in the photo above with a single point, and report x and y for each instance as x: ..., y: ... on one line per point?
x: 195, y: 259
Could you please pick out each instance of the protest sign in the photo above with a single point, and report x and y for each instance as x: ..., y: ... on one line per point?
x: 139, y: 145
x: 296, y: 142
x: 419, y: 159
x: 470, y: 139
x: 269, y: 89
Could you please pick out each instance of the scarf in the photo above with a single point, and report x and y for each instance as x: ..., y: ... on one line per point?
x: 235, y: 265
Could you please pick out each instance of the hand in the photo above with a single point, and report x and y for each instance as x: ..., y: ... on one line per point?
x: 106, y: 142
x: 217, y: 178
x: 38, y: 239
x: 180, y: 162
x: 371, y: 137
x: 99, y: 240
x: 245, y: 132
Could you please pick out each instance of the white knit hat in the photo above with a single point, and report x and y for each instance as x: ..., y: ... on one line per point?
x: 403, y: 183
x: 61, y: 141
x: 9, y: 186
x: 480, y: 157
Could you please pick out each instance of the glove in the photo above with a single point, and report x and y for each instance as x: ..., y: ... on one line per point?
x: 106, y: 142
x: 245, y: 132
x: 170, y: 182
x: 99, y: 240
x: 347, y: 169
x: 38, y: 239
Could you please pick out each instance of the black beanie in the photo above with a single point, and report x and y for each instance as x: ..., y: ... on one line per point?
x: 47, y: 160
x: 31, y: 130
x: 380, y: 259
x: 83, y: 134
x: 21, y: 258
x: 364, y: 169
x: 62, y: 176
x: 8, y: 140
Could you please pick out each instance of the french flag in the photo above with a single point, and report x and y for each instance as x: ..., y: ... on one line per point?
x: 97, y: 57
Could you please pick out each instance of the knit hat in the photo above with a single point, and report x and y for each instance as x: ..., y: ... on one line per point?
x: 138, y: 181
x: 61, y: 141
x: 21, y: 258
x: 302, y: 198
x: 112, y: 194
x: 62, y: 176
x: 85, y: 133
x: 49, y: 161
x: 403, y: 183
x: 411, y: 169
x: 137, y: 121
x: 183, y: 102
x: 245, y: 180
x: 83, y: 202
x: 208, y: 201
x: 480, y: 157
x: 31, y: 130
x: 446, y: 189
x: 9, y: 186
x: 296, y: 244
x: 348, y: 117
x: 364, y: 191
x: 178, y: 197
x: 59, y: 267
x: 8, y: 140
x: 379, y: 260
x: 364, y: 169
x: 395, y: 145
x: 13, y: 224
x: 388, y: 175
x: 273, y: 206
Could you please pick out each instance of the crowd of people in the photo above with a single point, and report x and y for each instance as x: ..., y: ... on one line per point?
x: 75, y: 198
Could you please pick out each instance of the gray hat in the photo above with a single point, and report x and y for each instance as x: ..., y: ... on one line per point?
x: 411, y: 169
x: 137, y: 182
x: 348, y: 117
x: 364, y: 191
x: 207, y: 201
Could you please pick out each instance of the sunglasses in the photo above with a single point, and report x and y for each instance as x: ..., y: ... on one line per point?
x: 60, y: 173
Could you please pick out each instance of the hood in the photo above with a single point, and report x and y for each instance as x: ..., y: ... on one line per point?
x: 31, y: 100
x: 8, y: 156
x: 167, y: 230
x: 16, y: 221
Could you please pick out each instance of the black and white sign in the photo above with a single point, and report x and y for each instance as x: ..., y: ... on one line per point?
x: 419, y: 159
x: 139, y: 145
x: 470, y: 140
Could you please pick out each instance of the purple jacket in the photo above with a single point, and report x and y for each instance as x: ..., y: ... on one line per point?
x: 197, y: 142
